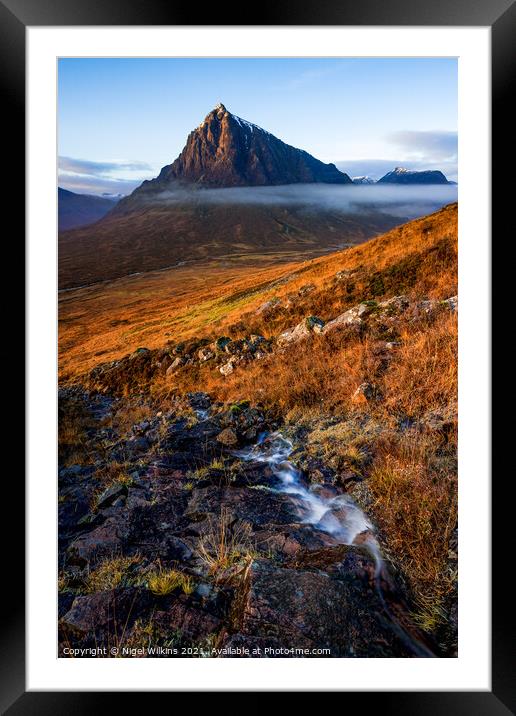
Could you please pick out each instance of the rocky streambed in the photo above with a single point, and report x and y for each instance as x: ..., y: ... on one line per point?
x: 210, y: 541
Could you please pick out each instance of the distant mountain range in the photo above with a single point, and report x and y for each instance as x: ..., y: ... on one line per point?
x: 363, y: 180
x: 184, y: 215
x: 75, y: 210
x: 411, y: 176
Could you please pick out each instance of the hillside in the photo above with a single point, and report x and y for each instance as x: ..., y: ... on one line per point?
x: 76, y: 210
x: 261, y: 438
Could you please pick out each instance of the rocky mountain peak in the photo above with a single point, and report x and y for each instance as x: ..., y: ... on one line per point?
x: 227, y: 151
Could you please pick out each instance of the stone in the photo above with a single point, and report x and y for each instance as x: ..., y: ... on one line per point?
x: 365, y: 393
x: 315, y: 324
x: 110, y: 495
x: 205, y: 354
x: 307, y: 609
x: 352, y: 316
x: 227, y: 437
x: 221, y: 343
x: 111, y: 610
x: 229, y: 367
x: 176, y: 363
x: 293, y: 335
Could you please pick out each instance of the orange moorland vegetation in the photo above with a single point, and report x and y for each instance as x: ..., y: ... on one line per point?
x: 404, y: 441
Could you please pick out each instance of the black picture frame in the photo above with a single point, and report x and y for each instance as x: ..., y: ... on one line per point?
x: 500, y: 15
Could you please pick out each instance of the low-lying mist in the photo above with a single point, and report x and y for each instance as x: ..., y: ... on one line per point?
x: 400, y: 201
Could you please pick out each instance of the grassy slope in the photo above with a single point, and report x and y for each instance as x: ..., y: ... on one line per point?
x: 410, y: 472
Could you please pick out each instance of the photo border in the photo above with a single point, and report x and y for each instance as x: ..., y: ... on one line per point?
x: 15, y: 16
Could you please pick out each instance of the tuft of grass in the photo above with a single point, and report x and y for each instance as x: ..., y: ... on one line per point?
x: 226, y: 545
x: 113, y: 473
x: 165, y: 581
x: 110, y: 573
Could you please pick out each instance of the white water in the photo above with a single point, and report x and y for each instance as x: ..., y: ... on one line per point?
x: 337, y: 515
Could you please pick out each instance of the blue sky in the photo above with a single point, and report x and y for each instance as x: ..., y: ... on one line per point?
x: 121, y: 120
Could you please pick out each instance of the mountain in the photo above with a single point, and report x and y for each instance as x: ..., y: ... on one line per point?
x: 410, y: 176
x: 363, y: 180
x: 75, y: 210
x: 227, y: 151
x: 210, y: 203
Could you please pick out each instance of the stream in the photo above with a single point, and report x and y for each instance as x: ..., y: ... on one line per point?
x: 335, y: 514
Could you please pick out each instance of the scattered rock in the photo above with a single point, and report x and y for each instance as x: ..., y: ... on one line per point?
x: 205, y: 354
x: 110, y: 495
x: 229, y: 367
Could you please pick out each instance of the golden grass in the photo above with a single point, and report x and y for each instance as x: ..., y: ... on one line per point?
x: 225, y: 545
x: 165, y: 581
x: 107, y: 321
x: 110, y: 573
x: 414, y: 483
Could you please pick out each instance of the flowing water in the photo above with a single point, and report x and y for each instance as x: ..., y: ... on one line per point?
x: 335, y: 514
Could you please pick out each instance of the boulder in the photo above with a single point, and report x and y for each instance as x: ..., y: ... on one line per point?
x: 292, y: 335
x: 353, y: 316
x: 229, y: 367
x: 315, y: 324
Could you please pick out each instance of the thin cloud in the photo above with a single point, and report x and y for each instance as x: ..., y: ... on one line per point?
x: 86, y: 184
x: 91, y: 168
x: 431, y: 145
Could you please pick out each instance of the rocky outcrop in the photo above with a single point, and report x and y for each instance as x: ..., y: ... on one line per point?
x: 251, y: 570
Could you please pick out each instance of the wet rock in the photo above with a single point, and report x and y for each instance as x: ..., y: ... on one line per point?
x: 257, y: 507
x: 105, y: 540
x: 191, y: 621
x: 199, y: 400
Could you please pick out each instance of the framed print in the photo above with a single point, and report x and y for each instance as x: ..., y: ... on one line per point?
x: 258, y: 358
